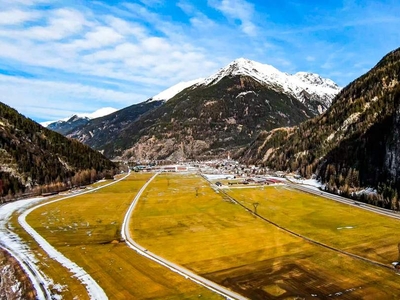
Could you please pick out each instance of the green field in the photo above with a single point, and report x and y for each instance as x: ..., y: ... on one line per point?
x: 86, y: 229
x: 182, y: 219
x: 342, y: 226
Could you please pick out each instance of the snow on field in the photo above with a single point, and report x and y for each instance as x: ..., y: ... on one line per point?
x: 218, y: 176
x: 18, y: 249
x: 311, y: 183
x: 314, y: 183
x: 94, y: 290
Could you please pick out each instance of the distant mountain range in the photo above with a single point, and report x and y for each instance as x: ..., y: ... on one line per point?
x: 208, y: 116
x: 355, y: 143
x: 66, y: 125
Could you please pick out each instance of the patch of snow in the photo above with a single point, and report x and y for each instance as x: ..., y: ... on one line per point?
x: 313, y: 182
x: 218, y: 176
x: 242, y: 94
x: 97, y: 114
x: 18, y: 249
x: 367, y: 191
x: 345, y: 227
x: 174, y: 90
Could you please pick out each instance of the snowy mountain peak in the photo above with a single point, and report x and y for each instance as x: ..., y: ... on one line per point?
x: 316, y: 79
x: 307, y: 87
x: 246, y: 67
x: 104, y: 111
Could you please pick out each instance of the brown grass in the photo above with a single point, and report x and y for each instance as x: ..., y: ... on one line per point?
x: 220, y: 240
x: 82, y: 228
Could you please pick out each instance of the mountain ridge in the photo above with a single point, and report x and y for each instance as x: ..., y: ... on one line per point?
x: 354, y: 144
x: 230, y: 106
x: 35, y: 159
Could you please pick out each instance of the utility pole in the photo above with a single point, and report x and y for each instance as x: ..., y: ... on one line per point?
x: 197, y: 191
x: 398, y: 259
x: 255, y: 204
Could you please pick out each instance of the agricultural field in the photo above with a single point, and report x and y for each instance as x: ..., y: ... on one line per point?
x: 86, y: 229
x: 181, y: 218
x: 338, y: 225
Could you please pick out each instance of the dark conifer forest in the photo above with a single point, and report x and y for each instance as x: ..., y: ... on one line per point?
x: 35, y: 160
x: 353, y: 145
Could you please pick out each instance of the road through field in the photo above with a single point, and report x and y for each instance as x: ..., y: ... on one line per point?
x: 173, y: 267
x: 20, y: 251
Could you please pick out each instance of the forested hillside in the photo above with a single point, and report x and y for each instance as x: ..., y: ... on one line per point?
x: 355, y: 143
x: 34, y: 159
x: 207, y: 120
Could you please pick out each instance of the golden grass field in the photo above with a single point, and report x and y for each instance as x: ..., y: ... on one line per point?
x: 221, y: 241
x: 343, y: 226
x: 83, y: 229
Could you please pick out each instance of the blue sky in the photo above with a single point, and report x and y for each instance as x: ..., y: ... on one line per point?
x: 63, y: 57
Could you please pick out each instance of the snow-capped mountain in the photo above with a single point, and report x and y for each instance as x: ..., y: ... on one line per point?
x: 97, y: 114
x: 209, y: 116
x: 65, y: 125
x: 311, y: 89
x: 355, y: 143
x: 174, y: 90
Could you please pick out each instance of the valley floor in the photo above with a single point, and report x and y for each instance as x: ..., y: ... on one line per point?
x: 192, y: 223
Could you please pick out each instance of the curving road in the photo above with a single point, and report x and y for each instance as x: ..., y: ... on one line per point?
x: 28, y: 261
x: 173, y: 267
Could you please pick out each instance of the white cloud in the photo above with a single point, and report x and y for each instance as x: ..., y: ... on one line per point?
x: 61, y: 24
x: 237, y: 10
x: 99, y: 37
x: 17, y: 16
x: 23, y: 2
x: 145, y: 49
x: 52, y: 100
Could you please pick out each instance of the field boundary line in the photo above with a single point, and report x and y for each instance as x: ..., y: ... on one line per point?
x: 92, y: 287
x: 376, y: 263
x: 170, y: 265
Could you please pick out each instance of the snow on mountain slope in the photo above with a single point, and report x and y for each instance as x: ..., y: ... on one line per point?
x: 173, y: 90
x: 304, y: 86
x: 97, y: 114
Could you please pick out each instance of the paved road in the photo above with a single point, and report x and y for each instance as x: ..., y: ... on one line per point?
x: 173, y: 267
x: 358, y: 204
x: 28, y: 262
x: 34, y: 275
